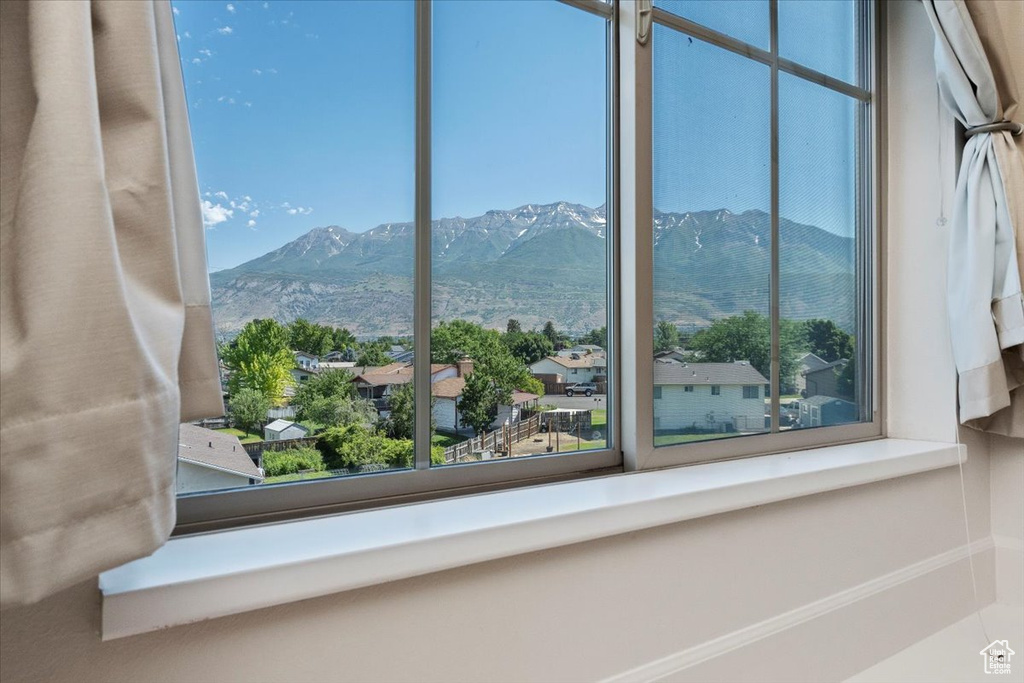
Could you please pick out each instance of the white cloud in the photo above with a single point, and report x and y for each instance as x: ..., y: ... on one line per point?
x: 206, y: 52
x: 231, y: 8
x: 247, y: 198
x: 248, y: 104
x: 258, y: 72
x: 221, y: 194
x: 286, y: 205
x: 187, y: 34
x: 225, y: 30
x: 176, y: 10
x: 251, y: 223
x: 196, y: 60
x: 255, y: 213
x: 300, y: 210
x: 214, y: 214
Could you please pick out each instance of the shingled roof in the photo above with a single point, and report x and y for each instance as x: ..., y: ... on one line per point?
x: 216, y: 450
x: 740, y: 372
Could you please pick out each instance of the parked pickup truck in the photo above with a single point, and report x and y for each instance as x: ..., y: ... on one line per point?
x: 585, y: 388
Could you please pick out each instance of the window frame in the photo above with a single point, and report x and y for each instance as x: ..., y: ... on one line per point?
x: 637, y: 248
x: 630, y: 395
x: 207, y: 511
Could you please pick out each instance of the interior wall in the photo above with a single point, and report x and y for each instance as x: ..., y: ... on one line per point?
x: 596, y: 609
x: 1007, y: 491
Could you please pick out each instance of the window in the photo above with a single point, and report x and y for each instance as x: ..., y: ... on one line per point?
x: 440, y: 231
x: 761, y: 211
x: 416, y: 251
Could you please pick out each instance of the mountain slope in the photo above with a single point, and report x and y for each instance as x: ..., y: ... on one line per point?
x: 538, y: 263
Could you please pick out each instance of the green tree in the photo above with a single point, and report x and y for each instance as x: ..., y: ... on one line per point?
x: 292, y: 461
x: 479, y: 403
x: 310, y: 337
x: 401, y: 420
x: 259, y: 358
x: 343, y: 340
x: 513, y: 326
x: 248, y: 409
x: 372, y: 355
x: 666, y: 336
x: 597, y: 336
x: 748, y: 337
x: 557, y: 339
x: 827, y: 340
x: 330, y: 398
x: 846, y: 379
x: 528, y: 347
x: 355, y: 447
x: 449, y: 341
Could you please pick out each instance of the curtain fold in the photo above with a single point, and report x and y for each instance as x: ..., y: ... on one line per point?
x: 106, y: 342
x: 979, y: 83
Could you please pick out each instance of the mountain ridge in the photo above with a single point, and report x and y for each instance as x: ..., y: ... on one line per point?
x: 537, y: 262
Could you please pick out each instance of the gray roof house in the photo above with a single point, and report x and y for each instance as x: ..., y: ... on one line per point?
x: 209, y: 460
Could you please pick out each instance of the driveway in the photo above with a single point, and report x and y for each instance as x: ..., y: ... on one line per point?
x: 595, y: 402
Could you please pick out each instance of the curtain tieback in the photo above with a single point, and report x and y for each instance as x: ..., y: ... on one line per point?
x: 1013, y: 127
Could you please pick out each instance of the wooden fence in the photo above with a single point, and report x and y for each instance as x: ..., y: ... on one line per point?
x: 558, y: 388
x: 499, y: 440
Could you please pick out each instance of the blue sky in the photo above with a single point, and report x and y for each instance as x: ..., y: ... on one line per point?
x: 302, y: 114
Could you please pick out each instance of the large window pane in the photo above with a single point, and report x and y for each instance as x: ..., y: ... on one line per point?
x: 818, y: 232
x: 303, y: 125
x: 833, y: 24
x: 712, y: 240
x: 520, y: 231
x: 746, y: 20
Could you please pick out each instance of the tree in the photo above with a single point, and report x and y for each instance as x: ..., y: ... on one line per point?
x: 528, y: 347
x: 248, y: 408
x: 513, y: 326
x: 343, y: 340
x: 748, y: 337
x: 556, y: 338
x: 372, y: 355
x: 259, y: 358
x: 597, y: 336
x: 846, y: 379
x: 310, y: 337
x: 666, y: 336
x: 479, y: 404
x: 356, y: 447
x: 330, y: 398
x: 827, y: 340
x: 401, y: 421
x: 292, y: 461
x: 450, y: 341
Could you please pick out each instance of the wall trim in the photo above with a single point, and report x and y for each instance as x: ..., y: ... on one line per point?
x: 675, y: 663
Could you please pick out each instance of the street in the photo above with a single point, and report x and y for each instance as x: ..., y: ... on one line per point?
x: 595, y: 402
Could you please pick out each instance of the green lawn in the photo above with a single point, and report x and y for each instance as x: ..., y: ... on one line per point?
x: 598, y: 418
x: 301, y: 476
x: 243, y: 437
x: 446, y: 440
x: 669, y: 439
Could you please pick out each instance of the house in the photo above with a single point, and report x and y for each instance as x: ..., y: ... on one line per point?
x: 279, y: 430
x: 447, y: 391
x: 209, y: 460
x: 823, y: 411
x: 301, y: 374
x: 582, y: 349
x: 377, y: 383
x: 399, y: 354
x: 676, y: 353
x: 708, y: 397
x: 824, y: 381
x: 808, y: 362
x: 572, y: 368
x: 306, y: 361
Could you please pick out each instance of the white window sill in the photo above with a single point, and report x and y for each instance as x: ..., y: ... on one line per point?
x: 201, y: 577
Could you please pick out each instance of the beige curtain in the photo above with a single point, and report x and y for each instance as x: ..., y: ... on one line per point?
x: 106, y: 338
x: 978, y: 52
x: 1000, y: 26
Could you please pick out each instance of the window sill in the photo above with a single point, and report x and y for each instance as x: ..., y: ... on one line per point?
x: 194, y: 578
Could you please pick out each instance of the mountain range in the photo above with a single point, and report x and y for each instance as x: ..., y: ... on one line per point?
x: 537, y: 263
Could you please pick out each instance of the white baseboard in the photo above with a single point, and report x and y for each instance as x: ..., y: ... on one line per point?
x: 1009, y: 570
x: 675, y: 664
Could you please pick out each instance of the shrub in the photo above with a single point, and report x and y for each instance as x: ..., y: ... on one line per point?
x: 353, y: 446
x: 291, y: 461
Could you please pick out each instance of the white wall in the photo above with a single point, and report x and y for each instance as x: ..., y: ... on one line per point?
x: 444, y: 413
x: 678, y: 408
x: 197, y: 478
x: 1007, y: 486
x: 592, y: 610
